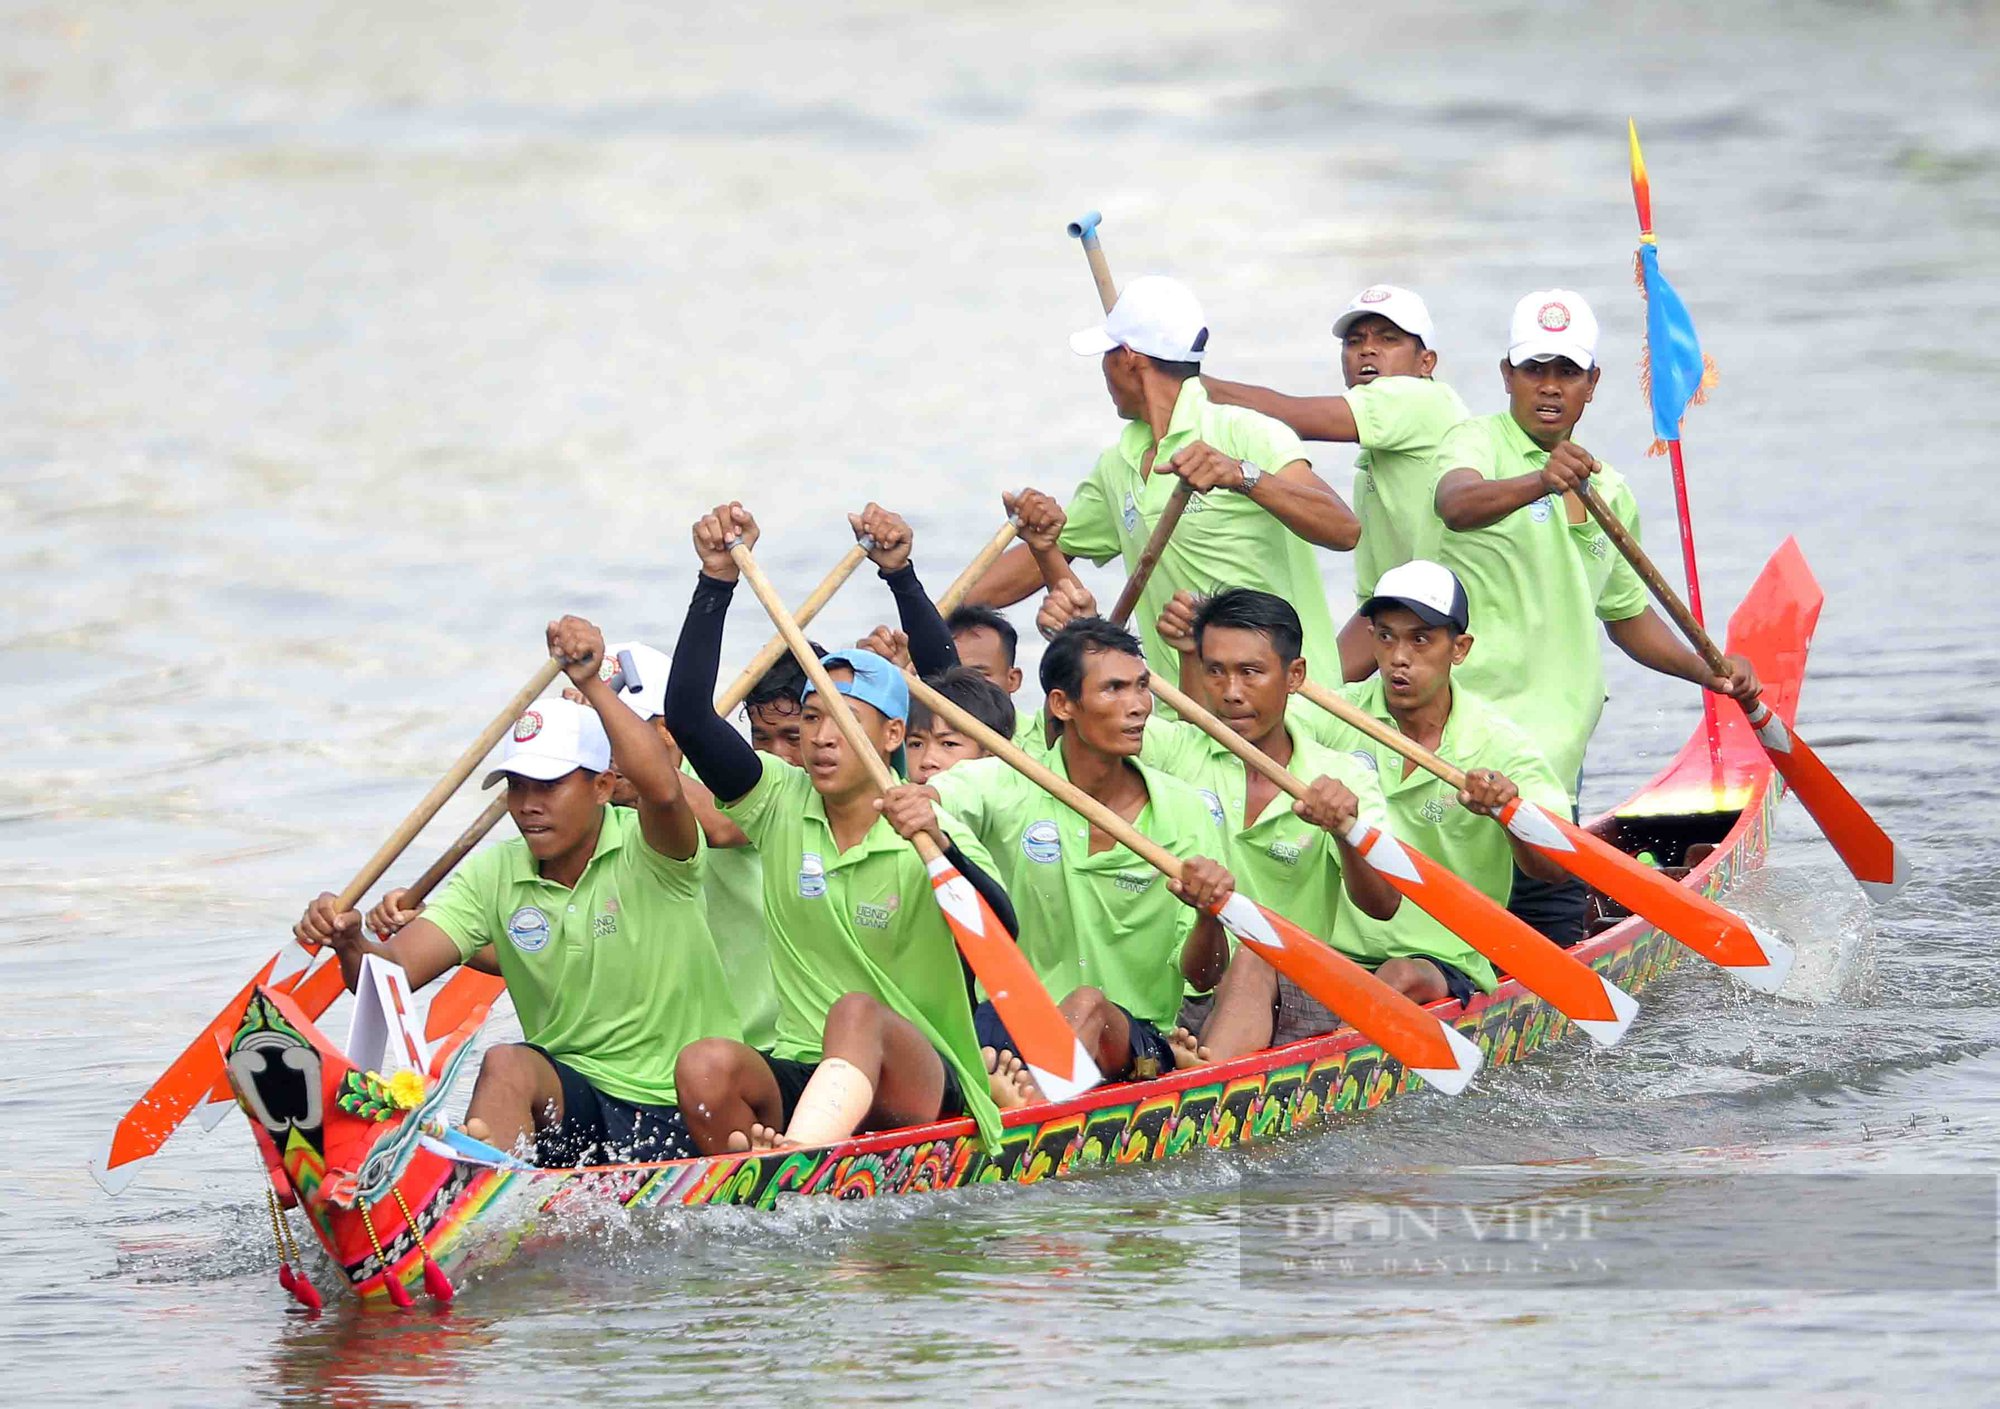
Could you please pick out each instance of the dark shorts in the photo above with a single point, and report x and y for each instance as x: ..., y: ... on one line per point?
x: 1298, y: 1015
x: 599, y: 1128
x: 1151, y: 1055
x: 1558, y: 909
x: 792, y: 1077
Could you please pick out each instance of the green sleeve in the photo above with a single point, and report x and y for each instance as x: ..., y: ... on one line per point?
x: 779, y: 786
x: 1266, y: 443
x: 680, y: 879
x: 1624, y: 595
x: 1174, y: 746
x: 1394, y: 413
x: 1092, y: 529
x: 975, y: 794
x: 1467, y: 446
x: 467, y: 911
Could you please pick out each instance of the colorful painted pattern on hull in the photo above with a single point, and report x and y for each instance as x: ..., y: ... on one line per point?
x: 475, y: 1217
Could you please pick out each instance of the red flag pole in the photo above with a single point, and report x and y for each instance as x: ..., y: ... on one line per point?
x: 1642, y: 200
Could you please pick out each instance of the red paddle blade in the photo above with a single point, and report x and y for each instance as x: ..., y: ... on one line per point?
x: 167, y: 1102
x: 1434, y: 1050
x: 1574, y: 989
x: 1761, y: 960
x: 1061, y: 1066
x: 1868, y: 851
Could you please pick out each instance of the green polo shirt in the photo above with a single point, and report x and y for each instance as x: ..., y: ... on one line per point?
x: 1279, y: 859
x: 1108, y: 920
x: 1224, y: 539
x: 612, y: 977
x: 859, y: 921
x: 733, y: 892
x: 1537, y: 587
x: 1424, y: 812
x: 1402, y: 421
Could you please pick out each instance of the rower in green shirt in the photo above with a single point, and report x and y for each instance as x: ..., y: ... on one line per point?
x: 1241, y: 654
x: 1397, y: 411
x: 1258, y: 512
x: 1099, y: 924
x: 594, y: 916
x: 874, y: 1021
x: 1539, y: 572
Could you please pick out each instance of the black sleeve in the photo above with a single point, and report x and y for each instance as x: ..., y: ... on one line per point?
x: 721, y: 757
x: 989, y: 889
x: 931, y: 648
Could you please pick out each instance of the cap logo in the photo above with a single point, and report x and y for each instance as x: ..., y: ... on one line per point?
x: 527, y: 726
x: 1377, y: 295
x: 1200, y: 341
x: 1554, y: 317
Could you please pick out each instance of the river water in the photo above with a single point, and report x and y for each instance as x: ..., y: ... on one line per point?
x: 346, y: 344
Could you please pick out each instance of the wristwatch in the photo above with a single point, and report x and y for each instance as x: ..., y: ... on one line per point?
x: 1251, y: 474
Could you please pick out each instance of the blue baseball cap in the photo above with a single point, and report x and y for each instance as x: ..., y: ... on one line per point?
x: 876, y: 682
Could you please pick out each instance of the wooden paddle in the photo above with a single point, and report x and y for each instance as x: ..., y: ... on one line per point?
x: 182, y: 1086
x: 1430, y: 1047
x: 1761, y: 960
x: 1574, y: 989
x: 1870, y: 854
x: 1042, y: 1037
x: 1085, y: 230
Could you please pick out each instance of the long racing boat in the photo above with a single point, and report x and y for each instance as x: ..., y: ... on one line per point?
x: 398, y: 1206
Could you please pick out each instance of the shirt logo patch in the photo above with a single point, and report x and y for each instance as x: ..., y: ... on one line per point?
x: 1042, y: 843
x: 527, y: 726
x: 1138, y: 882
x: 1131, y: 514
x: 1539, y: 511
x: 1287, y: 852
x: 1214, y: 807
x: 529, y: 929
x: 1554, y: 317
x: 876, y: 917
x: 1599, y: 548
x: 812, y: 876
x: 604, y: 926
x: 1434, y: 811
x: 1366, y: 760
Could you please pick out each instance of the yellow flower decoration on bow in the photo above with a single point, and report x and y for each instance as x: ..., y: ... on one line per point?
x: 407, y: 1089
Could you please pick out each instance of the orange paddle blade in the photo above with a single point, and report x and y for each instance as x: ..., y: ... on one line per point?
x: 1433, y: 1049
x: 1863, y: 845
x: 1574, y: 989
x: 465, y: 994
x: 1060, y: 1064
x: 314, y: 992
x: 167, y: 1102
x: 1759, y: 959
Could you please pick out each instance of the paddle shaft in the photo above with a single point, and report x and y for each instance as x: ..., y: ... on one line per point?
x: 773, y: 650
x: 831, y: 699
x: 1149, y: 556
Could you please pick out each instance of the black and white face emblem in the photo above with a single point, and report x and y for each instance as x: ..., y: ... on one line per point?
x: 277, y: 1078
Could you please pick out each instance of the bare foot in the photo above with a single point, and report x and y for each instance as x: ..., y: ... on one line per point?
x: 1188, y: 1051
x: 763, y: 1137
x: 1009, y: 1081
x: 738, y: 1143
x: 478, y: 1130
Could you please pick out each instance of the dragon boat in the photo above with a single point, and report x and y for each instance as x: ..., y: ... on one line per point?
x: 397, y: 1205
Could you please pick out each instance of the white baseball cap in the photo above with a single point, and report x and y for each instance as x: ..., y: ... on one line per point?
x: 1431, y: 590
x: 647, y: 696
x: 1399, y: 306
x: 552, y: 738
x: 1553, y: 323
x: 1155, y: 315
